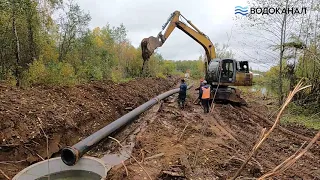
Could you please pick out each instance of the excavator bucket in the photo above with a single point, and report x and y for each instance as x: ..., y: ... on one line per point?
x: 148, y: 45
x: 229, y: 94
x: 235, y: 97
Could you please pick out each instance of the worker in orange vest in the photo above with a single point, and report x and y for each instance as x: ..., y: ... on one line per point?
x: 205, y: 96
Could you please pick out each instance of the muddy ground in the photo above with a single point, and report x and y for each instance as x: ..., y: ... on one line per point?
x: 63, y: 114
x: 187, y: 143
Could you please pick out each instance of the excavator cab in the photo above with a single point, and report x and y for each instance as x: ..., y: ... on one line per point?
x: 244, y: 76
x: 221, y: 71
x: 221, y: 75
x: 243, y: 66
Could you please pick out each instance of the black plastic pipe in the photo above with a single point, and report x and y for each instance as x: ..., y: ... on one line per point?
x: 71, y: 155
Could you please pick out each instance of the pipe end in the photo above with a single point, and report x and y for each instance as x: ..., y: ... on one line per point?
x: 69, y: 156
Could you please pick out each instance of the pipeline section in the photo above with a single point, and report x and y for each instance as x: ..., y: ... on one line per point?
x: 71, y: 155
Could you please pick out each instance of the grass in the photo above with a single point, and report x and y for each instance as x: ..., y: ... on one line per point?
x: 307, y: 121
x: 305, y: 116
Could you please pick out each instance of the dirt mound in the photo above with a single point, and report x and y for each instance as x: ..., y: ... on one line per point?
x: 213, y: 146
x: 63, y: 116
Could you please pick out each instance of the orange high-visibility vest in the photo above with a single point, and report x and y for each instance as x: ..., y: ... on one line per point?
x: 205, y: 93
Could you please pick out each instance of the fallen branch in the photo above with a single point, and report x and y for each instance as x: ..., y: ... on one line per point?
x: 257, y: 162
x: 154, y: 156
x: 125, y: 167
x: 31, y: 151
x: 9, y: 145
x: 264, y: 135
x: 4, y: 174
x: 142, y: 155
x: 291, y: 160
x: 175, y: 174
x: 13, y: 161
x: 183, y: 131
x: 132, y: 157
x: 40, y: 157
x: 47, y: 143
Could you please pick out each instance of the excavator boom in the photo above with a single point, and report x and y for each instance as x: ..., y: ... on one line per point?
x: 148, y: 45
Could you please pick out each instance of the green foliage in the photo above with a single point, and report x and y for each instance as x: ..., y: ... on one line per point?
x: 168, y: 67
x: 61, y: 73
x: 259, y: 80
x: 304, y: 115
x: 116, y: 74
x: 194, y: 66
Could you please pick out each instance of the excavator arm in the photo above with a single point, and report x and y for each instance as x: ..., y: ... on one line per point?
x: 148, y: 45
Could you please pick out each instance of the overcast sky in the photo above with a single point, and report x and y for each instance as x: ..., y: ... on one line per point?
x: 144, y: 18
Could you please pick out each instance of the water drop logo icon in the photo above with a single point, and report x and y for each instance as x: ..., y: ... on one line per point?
x: 241, y: 10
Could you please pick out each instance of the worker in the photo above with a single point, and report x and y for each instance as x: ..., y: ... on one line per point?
x: 199, y: 89
x: 182, y: 94
x: 205, y: 96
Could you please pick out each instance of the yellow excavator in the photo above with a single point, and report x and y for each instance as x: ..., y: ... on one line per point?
x: 219, y: 73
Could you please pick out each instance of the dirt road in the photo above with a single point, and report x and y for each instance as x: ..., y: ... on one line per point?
x: 189, y: 144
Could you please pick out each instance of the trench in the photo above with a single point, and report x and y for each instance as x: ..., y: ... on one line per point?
x: 110, y: 160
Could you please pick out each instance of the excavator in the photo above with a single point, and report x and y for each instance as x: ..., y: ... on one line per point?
x: 221, y: 74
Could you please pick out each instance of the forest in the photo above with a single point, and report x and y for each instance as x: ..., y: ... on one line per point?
x: 36, y: 49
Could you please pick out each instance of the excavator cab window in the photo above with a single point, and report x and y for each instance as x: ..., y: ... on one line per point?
x: 227, y: 70
x: 244, y: 66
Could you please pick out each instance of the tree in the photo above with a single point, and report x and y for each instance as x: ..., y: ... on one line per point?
x: 272, y: 31
x: 17, y: 43
x: 72, y: 25
x: 224, y: 51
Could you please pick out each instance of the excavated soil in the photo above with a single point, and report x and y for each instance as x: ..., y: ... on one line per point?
x: 63, y: 116
x: 169, y: 144
x: 188, y: 144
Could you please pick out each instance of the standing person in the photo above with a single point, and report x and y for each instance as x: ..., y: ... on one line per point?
x: 205, y: 96
x: 199, y: 89
x: 182, y: 94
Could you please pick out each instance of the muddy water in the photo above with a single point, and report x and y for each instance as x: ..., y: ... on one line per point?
x: 114, y: 159
x: 261, y: 89
x: 124, y: 152
x: 72, y: 175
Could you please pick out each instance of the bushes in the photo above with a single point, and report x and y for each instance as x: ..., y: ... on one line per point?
x: 53, y: 73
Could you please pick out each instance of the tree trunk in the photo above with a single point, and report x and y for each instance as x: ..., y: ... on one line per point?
x: 32, y: 48
x: 17, y: 46
x: 282, y: 40
x: 2, y: 74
